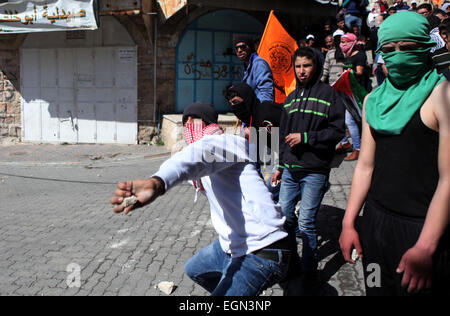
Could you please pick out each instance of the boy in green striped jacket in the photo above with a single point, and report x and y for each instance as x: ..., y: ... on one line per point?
x: 312, y: 124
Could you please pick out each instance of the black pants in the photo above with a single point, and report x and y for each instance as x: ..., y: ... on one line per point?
x: 385, y: 238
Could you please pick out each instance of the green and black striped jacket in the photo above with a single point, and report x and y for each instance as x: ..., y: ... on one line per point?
x: 318, y: 114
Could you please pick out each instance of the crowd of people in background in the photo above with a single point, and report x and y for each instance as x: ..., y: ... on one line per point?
x: 354, y: 18
x: 401, y: 142
x: 350, y: 41
x: 356, y: 28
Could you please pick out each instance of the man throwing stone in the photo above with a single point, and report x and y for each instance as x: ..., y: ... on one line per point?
x: 252, y: 252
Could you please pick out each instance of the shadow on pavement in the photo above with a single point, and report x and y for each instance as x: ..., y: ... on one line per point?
x: 329, y: 226
x: 338, y: 159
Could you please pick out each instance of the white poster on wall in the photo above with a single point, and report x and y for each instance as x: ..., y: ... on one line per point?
x: 47, y: 15
x: 126, y: 56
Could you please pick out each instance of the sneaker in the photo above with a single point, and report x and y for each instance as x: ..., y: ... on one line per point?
x: 353, y: 156
x: 341, y: 148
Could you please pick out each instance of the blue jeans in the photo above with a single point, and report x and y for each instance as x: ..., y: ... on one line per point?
x: 351, y: 19
x: 354, y: 131
x: 248, y: 275
x: 310, y: 188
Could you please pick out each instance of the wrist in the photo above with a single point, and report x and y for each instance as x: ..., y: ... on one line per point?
x: 160, y: 185
x: 425, y: 246
x: 348, y: 223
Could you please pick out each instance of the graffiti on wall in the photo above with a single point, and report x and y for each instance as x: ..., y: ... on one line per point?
x: 207, y: 70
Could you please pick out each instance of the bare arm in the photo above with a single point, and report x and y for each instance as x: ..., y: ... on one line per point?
x: 359, y: 70
x: 385, y: 70
x: 362, y: 175
x: 438, y: 215
x: 416, y: 263
x: 362, y: 178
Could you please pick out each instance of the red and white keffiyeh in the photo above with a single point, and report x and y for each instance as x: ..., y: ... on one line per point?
x: 348, y: 45
x: 194, y: 132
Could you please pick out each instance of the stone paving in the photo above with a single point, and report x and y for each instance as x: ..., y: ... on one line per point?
x: 56, y: 221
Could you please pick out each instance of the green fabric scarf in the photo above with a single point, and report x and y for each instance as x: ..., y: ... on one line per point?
x: 411, y: 77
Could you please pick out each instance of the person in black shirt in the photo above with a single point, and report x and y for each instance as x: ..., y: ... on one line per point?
x: 441, y: 57
x: 356, y: 60
x: 402, y: 173
x: 446, y: 72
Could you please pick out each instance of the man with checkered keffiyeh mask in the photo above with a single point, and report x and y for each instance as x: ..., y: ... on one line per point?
x: 200, y: 120
x: 252, y: 251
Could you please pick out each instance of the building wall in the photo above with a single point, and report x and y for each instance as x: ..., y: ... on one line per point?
x: 146, y: 122
x: 10, y: 117
x: 165, y: 99
x: 169, y: 33
x: 10, y: 106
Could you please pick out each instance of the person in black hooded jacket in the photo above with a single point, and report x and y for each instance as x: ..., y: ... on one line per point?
x: 258, y: 115
x: 248, y: 109
x: 312, y: 124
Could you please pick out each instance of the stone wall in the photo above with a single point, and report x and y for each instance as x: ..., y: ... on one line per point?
x: 10, y: 106
x: 10, y: 113
x: 168, y: 36
x: 168, y: 32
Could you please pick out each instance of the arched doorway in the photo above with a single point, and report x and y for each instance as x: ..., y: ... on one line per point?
x: 206, y: 62
x: 80, y: 87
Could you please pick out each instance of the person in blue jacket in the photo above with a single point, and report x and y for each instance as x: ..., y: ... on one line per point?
x: 257, y: 74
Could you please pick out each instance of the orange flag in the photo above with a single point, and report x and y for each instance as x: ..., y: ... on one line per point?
x: 277, y: 47
x: 438, y: 2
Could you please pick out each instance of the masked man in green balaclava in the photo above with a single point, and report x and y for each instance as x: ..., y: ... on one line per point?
x: 403, y: 172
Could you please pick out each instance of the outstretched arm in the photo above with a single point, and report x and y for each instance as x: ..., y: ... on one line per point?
x: 205, y: 157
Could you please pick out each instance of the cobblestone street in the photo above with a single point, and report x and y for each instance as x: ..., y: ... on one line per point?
x: 56, y: 215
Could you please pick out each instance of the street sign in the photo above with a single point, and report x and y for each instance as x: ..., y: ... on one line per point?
x: 46, y: 16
